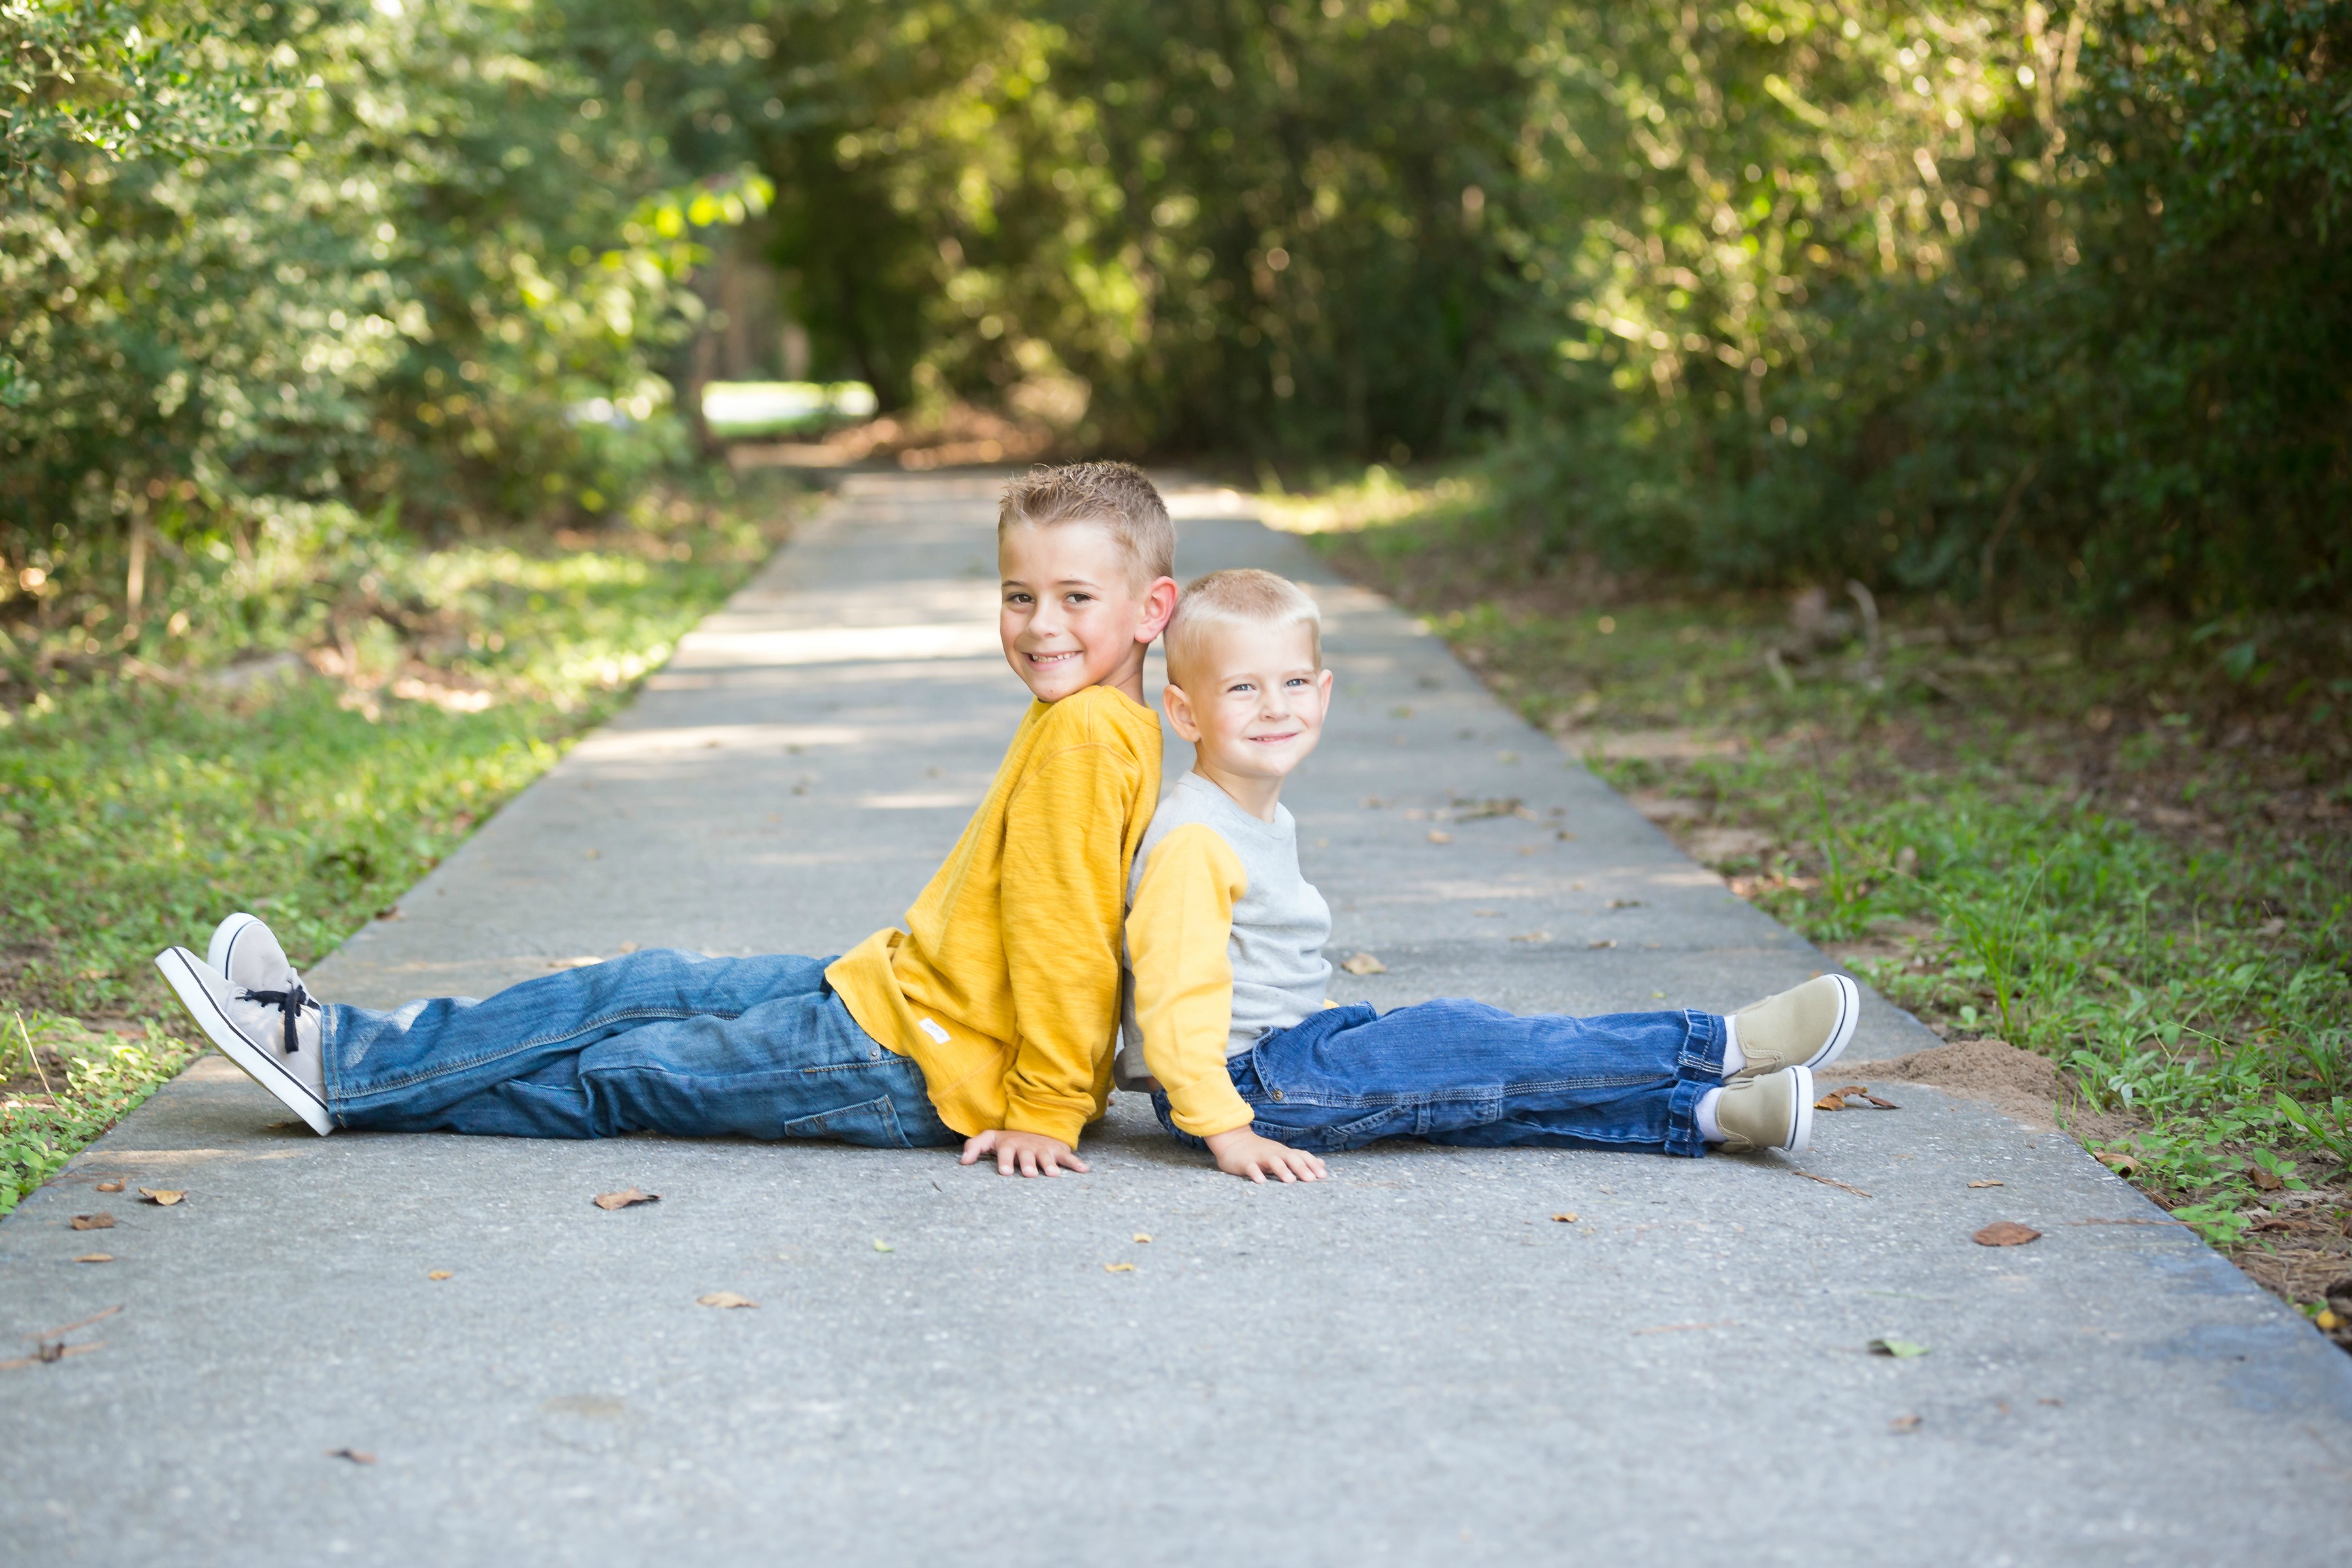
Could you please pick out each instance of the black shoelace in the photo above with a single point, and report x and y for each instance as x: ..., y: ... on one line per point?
x: 291, y: 1002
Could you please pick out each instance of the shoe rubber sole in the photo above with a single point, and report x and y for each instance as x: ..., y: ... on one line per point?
x: 1800, y: 1135
x: 252, y: 1058
x: 221, y: 952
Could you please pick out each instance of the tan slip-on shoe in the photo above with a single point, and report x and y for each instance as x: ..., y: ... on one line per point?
x: 1772, y: 1111
x: 1806, y: 1026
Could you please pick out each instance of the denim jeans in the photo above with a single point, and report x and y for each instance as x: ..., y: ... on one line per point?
x: 1465, y: 1073
x: 659, y: 1041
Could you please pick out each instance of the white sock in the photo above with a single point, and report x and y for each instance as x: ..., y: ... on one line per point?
x: 1708, y: 1130
x: 1733, y: 1058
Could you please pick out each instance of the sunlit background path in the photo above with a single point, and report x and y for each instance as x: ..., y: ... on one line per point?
x: 391, y: 1349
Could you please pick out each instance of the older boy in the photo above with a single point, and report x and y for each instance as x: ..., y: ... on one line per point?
x: 989, y: 1017
x: 1225, y: 941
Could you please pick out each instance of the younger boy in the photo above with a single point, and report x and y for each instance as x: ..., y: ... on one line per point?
x: 988, y: 1018
x: 1225, y: 940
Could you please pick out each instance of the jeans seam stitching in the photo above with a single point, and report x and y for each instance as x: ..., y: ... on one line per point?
x: 536, y: 1041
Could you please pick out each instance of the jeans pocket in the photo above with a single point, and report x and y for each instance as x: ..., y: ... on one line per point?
x: 873, y: 1123
x: 1333, y: 1138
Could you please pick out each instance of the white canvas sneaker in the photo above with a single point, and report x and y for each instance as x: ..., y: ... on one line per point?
x: 271, y: 1032
x: 247, y: 954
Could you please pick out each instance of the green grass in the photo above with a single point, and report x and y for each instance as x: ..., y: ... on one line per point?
x: 2120, y: 851
x: 141, y: 799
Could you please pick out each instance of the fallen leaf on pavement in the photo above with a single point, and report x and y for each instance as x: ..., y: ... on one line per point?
x: 99, y: 1221
x: 882, y: 1246
x: 438, y: 1274
x: 1882, y: 1104
x: 1903, y: 1424
x: 1832, y: 1182
x: 1439, y: 835
x: 356, y: 1455
x: 95, y: 1257
x: 1364, y: 963
x: 724, y: 1299
x: 1830, y: 1103
x: 1534, y: 936
x: 630, y: 1198
x: 1143, y: 1236
x: 113, y: 1186
x: 1566, y: 1217
x: 1119, y: 1267
x: 162, y: 1197
x: 1853, y: 1088
x: 49, y: 1352
x: 1599, y: 942
x: 2006, y: 1232
x: 1900, y: 1349
x: 1988, y: 1184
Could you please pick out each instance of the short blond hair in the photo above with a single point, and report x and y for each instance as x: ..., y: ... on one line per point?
x: 1242, y: 597
x: 1116, y: 495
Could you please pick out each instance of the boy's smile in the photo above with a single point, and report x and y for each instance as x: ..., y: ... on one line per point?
x: 1072, y: 614
x: 1253, y: 710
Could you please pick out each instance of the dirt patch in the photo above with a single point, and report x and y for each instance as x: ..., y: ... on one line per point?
x: 2018, y: 1083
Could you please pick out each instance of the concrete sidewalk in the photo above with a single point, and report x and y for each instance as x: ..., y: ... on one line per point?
x: 1413, y: 1362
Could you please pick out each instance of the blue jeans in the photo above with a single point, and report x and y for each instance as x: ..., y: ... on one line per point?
x: 1465, y: 1073
x: 660, y: 1041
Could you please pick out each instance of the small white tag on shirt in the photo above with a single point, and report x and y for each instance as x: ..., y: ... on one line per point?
x: 938, y: 1035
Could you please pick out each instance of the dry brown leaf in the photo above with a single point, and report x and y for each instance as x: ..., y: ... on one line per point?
x: 1830, y: 1103
x: 95, y: 1257
x: 1597, y: 943
x: 2006, y: 1232
x: 1832, y: 1182
x: 724, y: 1299
x: 2267, y: 1179
x: 1565, y: 1216
x: 49, y: 1352
x: 1439, y: 835
x: 2115, y: 1160
x: 99, y: 1221
x: 628, y: 1198
x: 437, y: 1274
x: 356, y: 1455
x: 1882, y: 1104
x: 1364, y: 963
x: 113, y: 1186
x: 162, y: 1197
x: 1119, y: 1267
x: 1143, y: 1236
x: 1988, y: 1184
x: 1861, y: 1088
x: 1903, y: 1424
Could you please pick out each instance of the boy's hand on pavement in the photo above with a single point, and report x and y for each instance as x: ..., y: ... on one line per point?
x: 1033, y: 1154
x: 1241, y: 1153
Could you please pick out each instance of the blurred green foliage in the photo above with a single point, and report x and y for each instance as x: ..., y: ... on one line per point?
x: 261, y: 262
x: 1983, y: 300
x: 1988, y: 301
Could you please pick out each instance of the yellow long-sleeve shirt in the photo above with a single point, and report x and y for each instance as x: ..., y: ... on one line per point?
x: 1004, y: 985
x: 1225, y: 940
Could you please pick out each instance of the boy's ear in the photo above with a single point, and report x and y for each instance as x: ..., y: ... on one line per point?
x: 1179, y: 709
x: 1158, y: 604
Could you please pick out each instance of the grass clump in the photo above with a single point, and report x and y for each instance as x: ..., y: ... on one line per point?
x: 2130, y: 852
x: 339, y: 723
